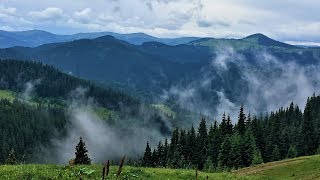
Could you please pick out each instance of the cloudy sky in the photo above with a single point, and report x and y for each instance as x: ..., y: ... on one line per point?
x: 286, y: 20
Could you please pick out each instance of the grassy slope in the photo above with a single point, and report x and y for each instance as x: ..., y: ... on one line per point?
x: 297, y: 168
x: 307, y: 167
x: 60, y: 172
x: 4, y: 94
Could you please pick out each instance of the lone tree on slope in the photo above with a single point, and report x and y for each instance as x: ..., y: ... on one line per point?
x: 81, y: 153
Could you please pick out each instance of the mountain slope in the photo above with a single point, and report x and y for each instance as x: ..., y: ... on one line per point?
x: 106, y: 60
x: 253, y: 41
x: 265, y: 41
x: 48, y: 82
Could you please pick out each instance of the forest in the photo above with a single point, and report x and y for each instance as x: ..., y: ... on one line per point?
x: 285, y: 133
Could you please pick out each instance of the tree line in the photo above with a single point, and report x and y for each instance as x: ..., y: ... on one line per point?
x: 285, y: 133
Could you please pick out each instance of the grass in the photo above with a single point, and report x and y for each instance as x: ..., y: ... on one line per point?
x: 4, y: 94
x: 307, y: 167
x: 304, y: 168
x: 95, y: 172
x: 164, y: 109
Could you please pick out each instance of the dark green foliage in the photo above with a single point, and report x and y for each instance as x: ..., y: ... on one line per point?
x: 275, y: 153
x: 202, y: 144
x: 12, y: 158
x: 241, y: 126
x: 292, y: 152
x: 14, y: 75
x: 224, y: 159
x: 308, y: 137
x: 25, y: 128
x: 257, y: 157
x: 81, y: 153
x: 286, y: 133
x: 147, y: 157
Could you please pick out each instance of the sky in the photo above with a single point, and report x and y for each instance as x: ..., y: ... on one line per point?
x: 286, y: 20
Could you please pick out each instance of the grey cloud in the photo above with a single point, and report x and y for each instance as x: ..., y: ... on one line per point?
x: 50, y: 13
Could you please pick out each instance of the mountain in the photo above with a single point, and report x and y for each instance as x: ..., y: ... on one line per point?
x: 197, y: 74
x: 254, y: 41
x: 266, y: 41
x: 35, y: 38
x: 107, y: 60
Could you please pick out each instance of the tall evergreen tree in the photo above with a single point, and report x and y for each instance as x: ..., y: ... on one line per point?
x: 201, y: 145
x: 147, y: 157
x: 241, y: 121
x: 308, y: 137
x: 82, y: 153
x: 12, y: 158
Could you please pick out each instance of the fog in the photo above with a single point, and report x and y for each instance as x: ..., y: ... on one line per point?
x: 262, y: 84
x: 104, y: 141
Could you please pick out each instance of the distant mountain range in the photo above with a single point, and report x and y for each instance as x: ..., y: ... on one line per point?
x: 35, y: 38
x: 152, y: 68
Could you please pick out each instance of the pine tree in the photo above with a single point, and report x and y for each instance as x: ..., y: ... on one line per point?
x: 82, y: 153
x: 165, y: 153
x: 201, y: 146
x: 161, y: 156
x: 208, y: 165
x: 224, y: 125
x: 292, y: 152
x: 224, y: 154
x: 191, y: 146
x: 174, y: 144
x: 12, y: 158
x: 235, y: 156
x: 241, y: 121
x: 154, y: 158
x: 229, y: 125
x: 247, y: 148
x: 257, y: 158
x: 308, y: 137
x: 276, y: 153
x: 147, y: 157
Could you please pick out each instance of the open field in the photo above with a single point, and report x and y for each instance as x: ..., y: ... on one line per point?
x: 298, y: 168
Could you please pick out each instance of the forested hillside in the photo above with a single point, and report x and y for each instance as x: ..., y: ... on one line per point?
x: 39, y: 106
x: 48, y: 82
x: 285, y: 133
x: 27, y: 129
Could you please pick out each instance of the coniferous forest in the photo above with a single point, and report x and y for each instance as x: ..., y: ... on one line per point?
x: 287, y: 133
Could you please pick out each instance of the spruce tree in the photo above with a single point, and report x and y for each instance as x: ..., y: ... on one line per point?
x: 275, y: 153
x: 247, y: 148
x: 308, y: 137
x: 235, y: 156
x: 191, y: 146
x: 257, y: 157
x: 224, y: 154
x: 292, y: 152
x: 12, y: 158
x: 161, y: 156
x: 229, y: 125
x: 81, y: 153
x: 224, y: 125
x: 241, y: 121
x: 201, y: 146
x: 147, y: 157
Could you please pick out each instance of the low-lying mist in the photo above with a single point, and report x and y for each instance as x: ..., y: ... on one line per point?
x: 261, y: 82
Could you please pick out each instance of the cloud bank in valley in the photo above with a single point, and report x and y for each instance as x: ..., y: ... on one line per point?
x: 262, y: 84
x: 105, y: 141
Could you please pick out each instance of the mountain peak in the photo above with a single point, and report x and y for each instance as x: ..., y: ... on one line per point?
x: 257, y: 35
x: 264, y: 40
